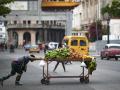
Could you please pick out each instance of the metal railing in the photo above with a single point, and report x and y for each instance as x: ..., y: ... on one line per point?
x: 34, y: 26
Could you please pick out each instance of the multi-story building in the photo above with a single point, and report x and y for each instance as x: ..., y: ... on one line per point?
x: 91, y: 12
x: 3, y: 32
x: 34, y: 21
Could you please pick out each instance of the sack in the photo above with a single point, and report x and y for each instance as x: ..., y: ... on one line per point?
x: 42, y: 63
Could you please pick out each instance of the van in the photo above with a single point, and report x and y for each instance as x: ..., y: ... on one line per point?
x: 78, y: 43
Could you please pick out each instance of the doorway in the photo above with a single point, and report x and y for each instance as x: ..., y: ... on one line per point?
x: 26, y: 38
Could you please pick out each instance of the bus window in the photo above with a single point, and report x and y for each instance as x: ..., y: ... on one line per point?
x: 74, y: 42
x: 82, y: 43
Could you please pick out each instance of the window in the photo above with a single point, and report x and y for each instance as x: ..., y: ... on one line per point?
x: 33, y: 5
x: 82, y: 43
x: 15, y: 22
x: 74, y: 42
x: 37, y: 22
x: 0, y: 22
x: 24, y: 22
x: 43, y: 23
x: 106, y: 47
x: 1, y: 36
x: 54, y: 22
x: 118, y: 47
x: 29, y: 22
x: 6, y: 22
x: 0, y: 29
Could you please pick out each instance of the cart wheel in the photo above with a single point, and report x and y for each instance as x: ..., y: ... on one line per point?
x: 86, y: 80
x: 43, y: 81
x: 47, y: 82
x: 116, y: 58
x: 82, y: 79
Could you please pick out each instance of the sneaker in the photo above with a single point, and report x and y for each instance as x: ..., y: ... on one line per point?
x: 1, y: 82
x: 18, y: 84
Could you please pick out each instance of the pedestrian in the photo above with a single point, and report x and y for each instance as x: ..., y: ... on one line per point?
x: 46, y: 48
x: 19, y: 66
x: 5, y: 46
x: 62, y: 62
x: 11, y: 48
x: 66, y: 46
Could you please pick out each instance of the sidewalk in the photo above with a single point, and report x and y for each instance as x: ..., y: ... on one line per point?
x: 94, y: 53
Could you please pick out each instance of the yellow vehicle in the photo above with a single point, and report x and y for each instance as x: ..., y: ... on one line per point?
x: 78, y: 43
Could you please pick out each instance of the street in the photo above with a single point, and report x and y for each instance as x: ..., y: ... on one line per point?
x: 106, y: 76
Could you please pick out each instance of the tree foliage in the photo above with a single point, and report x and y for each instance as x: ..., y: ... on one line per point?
x: 95, y: 31
x: 113, y: 9
x: 3, y: 8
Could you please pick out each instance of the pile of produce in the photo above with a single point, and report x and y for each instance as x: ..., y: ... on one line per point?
x: 71, y: 54
x: 66, y: 54
x: 59, y: 54
x: 91, y: 65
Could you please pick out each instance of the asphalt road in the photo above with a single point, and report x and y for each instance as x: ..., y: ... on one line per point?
x: 106, y: 77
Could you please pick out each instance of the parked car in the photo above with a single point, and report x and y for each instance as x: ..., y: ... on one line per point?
x: 52, y: 45
x: 27, y: 47
x: 111, y: 51
x: 34, y: 48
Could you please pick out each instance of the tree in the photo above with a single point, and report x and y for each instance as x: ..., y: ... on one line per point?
x: 3, y: 8
x: 95, y: 31
x: 113, y: 9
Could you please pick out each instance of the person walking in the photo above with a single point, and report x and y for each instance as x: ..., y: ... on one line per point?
x: 19, y: 66
x: 62, y: 62
x: 11, y: 48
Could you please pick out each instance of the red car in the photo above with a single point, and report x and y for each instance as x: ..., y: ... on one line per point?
x: 111, y: 51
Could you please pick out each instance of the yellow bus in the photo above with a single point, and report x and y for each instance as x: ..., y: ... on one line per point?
x: 78, y: 43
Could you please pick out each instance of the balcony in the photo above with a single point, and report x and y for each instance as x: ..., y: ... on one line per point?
x: 59, y: 4
x: 35, y: 26
x: 24, y: 26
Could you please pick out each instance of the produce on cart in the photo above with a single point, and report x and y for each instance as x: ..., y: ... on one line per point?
x: 71, y: 55
x: 67, y: 54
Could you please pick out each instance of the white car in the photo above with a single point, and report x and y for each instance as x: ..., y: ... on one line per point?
x: 53, y: 45
x: 27, y: 47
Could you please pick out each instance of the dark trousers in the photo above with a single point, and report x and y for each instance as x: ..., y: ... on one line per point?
x: 15, y: 68
x: 58, y: 64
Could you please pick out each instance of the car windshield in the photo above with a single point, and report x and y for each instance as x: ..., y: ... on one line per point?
x: 118, y: 47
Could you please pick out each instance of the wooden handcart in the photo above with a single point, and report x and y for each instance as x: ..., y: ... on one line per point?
x: 84, y: 78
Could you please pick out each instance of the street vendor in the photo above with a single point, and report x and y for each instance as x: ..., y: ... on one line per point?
x: 19, y: 66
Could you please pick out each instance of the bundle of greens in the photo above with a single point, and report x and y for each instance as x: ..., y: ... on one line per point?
x: 59, y: 54
x: 91, y: 65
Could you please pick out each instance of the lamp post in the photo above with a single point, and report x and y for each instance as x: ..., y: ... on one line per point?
x: 107, y: 17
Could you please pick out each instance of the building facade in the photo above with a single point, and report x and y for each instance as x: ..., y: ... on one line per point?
x: 35, y: 21
x: 91, y: 13
x: 3, y: 33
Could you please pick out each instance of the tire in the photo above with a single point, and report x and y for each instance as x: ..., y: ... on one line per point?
x: 101, y: 57
x: 116, y: 58
x: 86, y: 80
x: 108, y: 58
x: 47, y: 82
x: 43, y: 81
x: 81, y: 79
